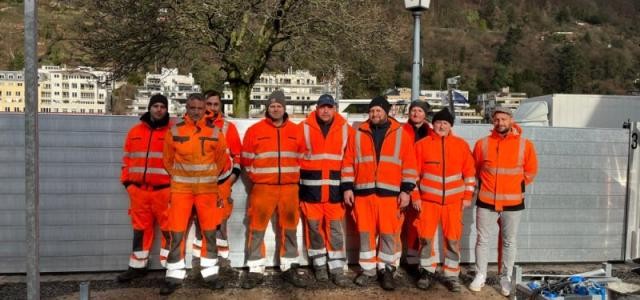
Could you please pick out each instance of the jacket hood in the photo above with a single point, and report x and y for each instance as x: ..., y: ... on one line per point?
x: 146, y: 118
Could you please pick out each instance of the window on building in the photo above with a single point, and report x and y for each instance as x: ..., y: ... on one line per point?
x: 19, y: 83
x: 17, y: 93
x: 256, y: 97
x: 16, y: 109
x: 256, y: 89
x: 7, y: 109
x: 8, y: 93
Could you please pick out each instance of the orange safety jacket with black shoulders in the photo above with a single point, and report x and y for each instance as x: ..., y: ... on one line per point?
x: 270, y: 154
x: 231, y: 136
x: 321, y: 162
x: 387, y: 174
x: 195, y: 155
x: 142, y: 160
x: 504, y: 165
x: 446, y: 169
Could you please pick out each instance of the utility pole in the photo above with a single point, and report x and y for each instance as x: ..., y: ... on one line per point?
x: 31, y: 146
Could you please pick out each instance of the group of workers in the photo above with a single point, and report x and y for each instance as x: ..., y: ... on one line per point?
x: 398, y: 181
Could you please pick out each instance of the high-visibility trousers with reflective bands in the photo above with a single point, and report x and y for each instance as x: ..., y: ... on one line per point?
x: 209, y: 216
x: 264, y: 199
x: 148, y: 207
x: 222, y: 238
x: 450, y: 218
x: 324, y: 234
x: 410, y: 236
x: 378, y: 219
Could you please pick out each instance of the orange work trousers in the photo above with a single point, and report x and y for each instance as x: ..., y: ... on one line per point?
x: 264, y: 199
x: 378, y: 218
x: 410, y: 236
x: 209, y: 215
x: 449, y: 216
x: 324, y: 234
x: 222, y: 238
x: 147, y: 208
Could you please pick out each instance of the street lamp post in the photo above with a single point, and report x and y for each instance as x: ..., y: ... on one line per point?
x: 451, y: 83
x: 416, y: 7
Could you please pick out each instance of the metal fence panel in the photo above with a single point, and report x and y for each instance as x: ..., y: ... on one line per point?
x: 575, y: 208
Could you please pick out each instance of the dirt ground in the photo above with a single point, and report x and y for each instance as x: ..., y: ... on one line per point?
x: 103, y: 286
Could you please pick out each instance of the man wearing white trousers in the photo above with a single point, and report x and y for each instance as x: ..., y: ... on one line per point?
x: 505, y: 163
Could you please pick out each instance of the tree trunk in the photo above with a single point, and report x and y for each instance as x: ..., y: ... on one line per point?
x: 241, y: 99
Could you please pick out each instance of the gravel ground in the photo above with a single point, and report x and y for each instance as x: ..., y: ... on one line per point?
x: 103, y: 286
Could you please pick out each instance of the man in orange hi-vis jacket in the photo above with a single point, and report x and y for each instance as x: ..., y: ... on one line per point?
x: 379, y: 169
x: 418, y: 127
x: 325, y: 134
x: 194, y: 155
x: 271, y: 152
x: 214, y: 115
x: 147, y: 183
x: 447, y: 180
x: 505, y: 163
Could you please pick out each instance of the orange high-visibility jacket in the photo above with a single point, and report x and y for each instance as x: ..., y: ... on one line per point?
x: 504, y: 165
x: 195, y: 155
x: 270, y: 154
x: 142, y: 159
x: 321, y: 163
x: 231, y: 135
x: 415, y: 194
x: 394, y: 171
x: 446, y: 168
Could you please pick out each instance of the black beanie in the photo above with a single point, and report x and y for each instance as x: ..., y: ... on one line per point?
x: 443, y: 115
x: 382, y: 102
x: 422, y: 104
x: 158, y: 98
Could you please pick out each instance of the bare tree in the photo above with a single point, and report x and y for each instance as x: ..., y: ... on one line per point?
x: 239, y: 36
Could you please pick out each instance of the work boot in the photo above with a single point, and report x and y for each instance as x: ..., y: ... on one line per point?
x: 453, y: 283
x: 251, y: 280
x: 425, y: 279
x: 292, y: 276
x: 130, y: 274
x: 363, y: 279
x: 321, y: 274
x: 169, y: 287
x: 340, y: 279
x: 386, y: 278
x: 214, y: 282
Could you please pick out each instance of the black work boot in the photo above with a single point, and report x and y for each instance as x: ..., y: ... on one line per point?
x: 386, y: 278
x: 131, y: 273
x: 425, y: 279
x: 453, y: 283
x: 340, y: 279
x: 292, y: 276
x: 214, y: 282
x: 363, y: 279
x: 251, y: 280
x: 321, y: 273
x: 169, y: 287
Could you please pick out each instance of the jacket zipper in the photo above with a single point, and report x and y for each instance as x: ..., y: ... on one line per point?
x: 495, y: 187
x: 279, y: 167
x: 146, y: 159
x: 443, y: 167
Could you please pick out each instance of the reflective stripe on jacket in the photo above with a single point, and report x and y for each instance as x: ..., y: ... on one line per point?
x: 504, y: 165
x: 446, y: 169
x: 195, y: 155
x: 270, y: 154
x: 322, y: 159
x: 393, y: 172
x: 142, y: 159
